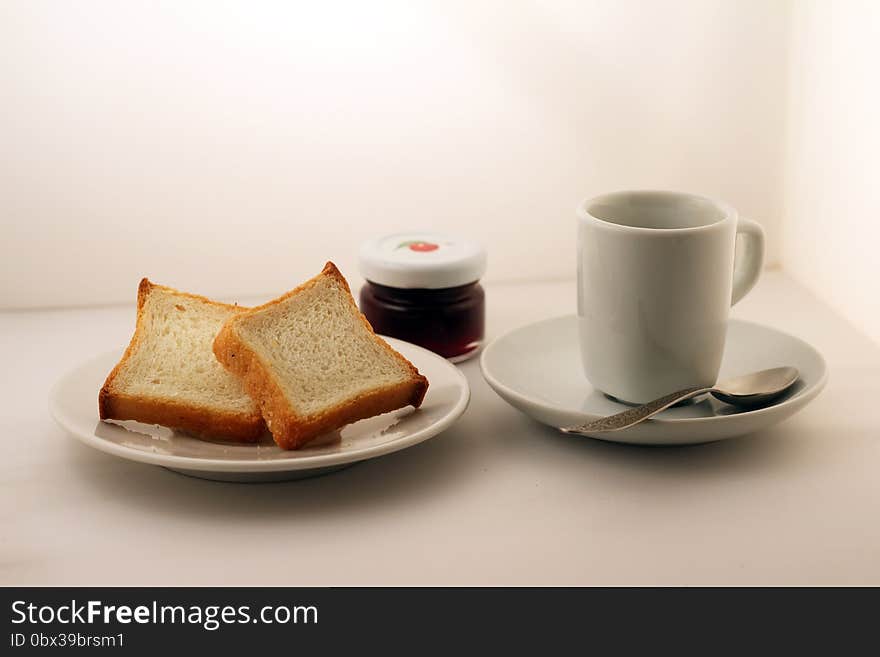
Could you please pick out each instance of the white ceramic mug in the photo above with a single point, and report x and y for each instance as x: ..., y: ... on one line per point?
x: 656, y: 280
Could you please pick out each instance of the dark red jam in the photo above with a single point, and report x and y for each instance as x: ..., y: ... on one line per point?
x: 448, y: 321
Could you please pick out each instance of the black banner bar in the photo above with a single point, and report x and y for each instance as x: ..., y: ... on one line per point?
x: 416, y: 620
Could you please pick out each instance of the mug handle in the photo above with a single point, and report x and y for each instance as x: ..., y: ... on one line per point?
x: 747, y: 272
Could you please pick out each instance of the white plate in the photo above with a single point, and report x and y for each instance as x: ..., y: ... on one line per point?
x: 537, y: 369
x: 73, y: 403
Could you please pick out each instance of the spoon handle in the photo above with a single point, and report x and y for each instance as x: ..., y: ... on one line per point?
x: 635, y: 415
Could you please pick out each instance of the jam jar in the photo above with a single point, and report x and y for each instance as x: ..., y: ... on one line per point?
x: 424, y: 288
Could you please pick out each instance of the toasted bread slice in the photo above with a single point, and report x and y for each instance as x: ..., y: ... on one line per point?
x: 312, y: 362
x: 169, y: 376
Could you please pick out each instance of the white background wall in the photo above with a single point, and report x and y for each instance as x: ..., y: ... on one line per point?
x: 231, y: 148
x: 831, y: 238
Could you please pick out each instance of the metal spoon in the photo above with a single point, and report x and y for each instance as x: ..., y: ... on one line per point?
x: 748, y: 390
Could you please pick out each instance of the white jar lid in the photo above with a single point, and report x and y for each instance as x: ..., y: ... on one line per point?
x: 422, y: 260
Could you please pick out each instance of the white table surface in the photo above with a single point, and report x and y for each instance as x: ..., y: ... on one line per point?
x: 497, y: 499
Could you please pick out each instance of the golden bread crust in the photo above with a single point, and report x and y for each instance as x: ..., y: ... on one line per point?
x: 191, y: 419
x: 113, y: 405
x: 290, y: 429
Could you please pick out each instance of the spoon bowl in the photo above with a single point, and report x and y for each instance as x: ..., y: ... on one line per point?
x: 756, y: 388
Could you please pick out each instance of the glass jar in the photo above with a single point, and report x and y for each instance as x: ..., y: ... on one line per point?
x: 424, y: 288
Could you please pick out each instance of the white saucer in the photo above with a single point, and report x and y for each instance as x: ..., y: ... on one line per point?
x: 73, y: 403
x: 537, y: 369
